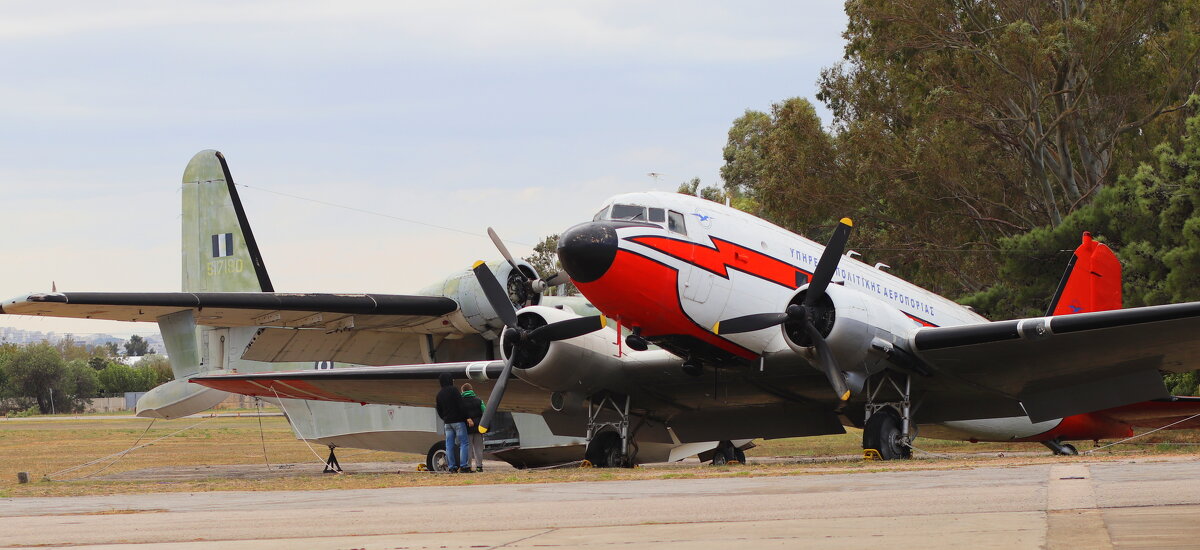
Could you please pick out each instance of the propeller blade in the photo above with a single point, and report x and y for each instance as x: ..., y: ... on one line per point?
x: 837, y: 379
x: 504, y: 252
x: 828, y: 263
x: 495, y: 294
x: 493, y: 402
x: 559, y: 278
x: 749, y: 323
x: 564, y: 330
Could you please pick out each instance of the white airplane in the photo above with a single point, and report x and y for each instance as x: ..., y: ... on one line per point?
x: 229, y: 319
x: 764, y: 333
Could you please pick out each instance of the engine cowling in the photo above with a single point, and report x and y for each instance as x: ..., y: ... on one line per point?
x: 579, y: 365
x: 463, y: 287
x: 861, y: 330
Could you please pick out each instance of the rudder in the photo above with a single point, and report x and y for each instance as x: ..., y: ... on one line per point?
x: 1092, y: 281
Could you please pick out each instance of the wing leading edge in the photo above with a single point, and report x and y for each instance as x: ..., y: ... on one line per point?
x: 1064, y: 365
x: 233, y: 309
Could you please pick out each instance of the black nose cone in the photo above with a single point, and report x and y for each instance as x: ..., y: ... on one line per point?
x: 587, y: 250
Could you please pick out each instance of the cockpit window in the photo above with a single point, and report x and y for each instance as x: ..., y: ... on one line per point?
x: 630, y: 212
x: 600, y: 215
x: 657, y: 215
x: 675, y: 222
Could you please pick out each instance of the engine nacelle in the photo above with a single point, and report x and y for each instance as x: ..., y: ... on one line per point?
x: 578, y: 365
x: 861, y: 330
x: 463, y: 287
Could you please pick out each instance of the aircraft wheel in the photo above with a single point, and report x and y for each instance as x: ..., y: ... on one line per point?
x: 435, y: 460
x: 882, y: 433
x: 1069, y: 449
x: 605, y: 451
x: 726, y: 453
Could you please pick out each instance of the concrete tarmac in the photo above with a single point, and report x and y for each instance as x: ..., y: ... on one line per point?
x: 1149, y: 503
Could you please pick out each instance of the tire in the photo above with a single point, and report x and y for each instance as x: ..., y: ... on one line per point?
x: 739, y: 455
x: 1069, y: 449
x: 724, y: 454
x: 882, y: 433
x: 605, y: 451
x: 435, y: 459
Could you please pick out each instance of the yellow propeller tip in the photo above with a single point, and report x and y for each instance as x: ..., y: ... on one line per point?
x: 482, y: 430
x: 846, y: 396
x: 717, y: 327
x: 603, y: 321
x: 848, y: 222
x: 477, y: 264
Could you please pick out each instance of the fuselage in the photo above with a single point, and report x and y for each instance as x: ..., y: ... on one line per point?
x: 673, y: 265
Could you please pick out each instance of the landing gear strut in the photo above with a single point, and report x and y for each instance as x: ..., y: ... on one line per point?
x: 608, y: 441
x: 1060, y: 448
x: 888, y: 426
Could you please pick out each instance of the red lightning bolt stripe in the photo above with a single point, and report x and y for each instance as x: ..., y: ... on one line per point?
x: 726, y: 255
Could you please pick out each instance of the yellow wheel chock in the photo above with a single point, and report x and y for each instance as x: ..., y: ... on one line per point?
x: 871, y: 454
x: 586, y: 464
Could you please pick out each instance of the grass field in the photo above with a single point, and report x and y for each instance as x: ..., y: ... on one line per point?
x: 46, y: 447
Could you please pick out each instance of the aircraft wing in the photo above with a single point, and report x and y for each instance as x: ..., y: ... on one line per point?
x: 376, y: 312
x: 1159, y: 413
x: 412, y: 385
x: 1064, y: 365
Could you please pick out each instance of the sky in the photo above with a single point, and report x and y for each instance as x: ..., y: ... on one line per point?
x: 375, y: 140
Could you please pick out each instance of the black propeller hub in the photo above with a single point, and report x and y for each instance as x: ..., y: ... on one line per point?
x: 822, y: 315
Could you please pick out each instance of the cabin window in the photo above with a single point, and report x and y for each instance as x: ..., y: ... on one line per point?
x: 675, y: 222
x: 630, y: 212
x: 658, y: 215
x: 600, y: 215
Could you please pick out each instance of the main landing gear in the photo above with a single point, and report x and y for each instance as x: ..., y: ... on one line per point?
x: 1060, y: 448
x: 608, y: 440
x: 726, y: 453
x: 889, y: 425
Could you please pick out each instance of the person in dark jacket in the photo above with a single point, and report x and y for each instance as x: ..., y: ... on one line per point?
x: 449, y: 407
x: 473, y: 408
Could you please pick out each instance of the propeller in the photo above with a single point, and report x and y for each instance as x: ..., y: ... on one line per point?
x: 804, y: 313
x: 536, y: 285
x: 523, y: 339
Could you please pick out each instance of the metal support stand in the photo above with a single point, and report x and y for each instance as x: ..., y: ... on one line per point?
x: 595, y: 425
x: 331, y: 463
x: 903, y: 407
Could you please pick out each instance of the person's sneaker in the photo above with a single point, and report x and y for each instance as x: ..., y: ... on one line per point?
x: 464, y: 470
x: 453, y: 470
x: 479, y: 468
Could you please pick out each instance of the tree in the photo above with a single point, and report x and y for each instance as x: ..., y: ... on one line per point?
x: 545, y: 262
x: 34, y: 371
x: 156, y: 370
x: 1064, y: 87
x: 120, y: 378
x: 137, y: 346
x: 80, y: 383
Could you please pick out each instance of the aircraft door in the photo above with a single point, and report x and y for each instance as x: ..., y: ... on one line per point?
x: 215, y: 345
x: 697, y: 282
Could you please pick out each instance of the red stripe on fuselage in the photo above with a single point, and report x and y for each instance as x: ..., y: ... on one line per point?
x: 724, y: 255
x: 644, y: 293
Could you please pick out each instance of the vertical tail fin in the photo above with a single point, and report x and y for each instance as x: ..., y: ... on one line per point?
x: 1092, y: 281
x: 219, y: 255
x: 219, y: 250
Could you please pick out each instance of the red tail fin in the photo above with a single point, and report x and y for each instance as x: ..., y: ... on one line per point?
x: 1092, y: 281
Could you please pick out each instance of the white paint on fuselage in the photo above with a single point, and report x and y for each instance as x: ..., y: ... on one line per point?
x: 743, y: 294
